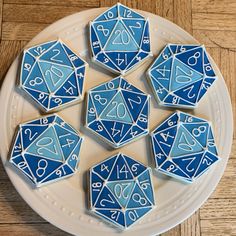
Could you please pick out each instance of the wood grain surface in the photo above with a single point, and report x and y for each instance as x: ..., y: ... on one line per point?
x: 212, y: 22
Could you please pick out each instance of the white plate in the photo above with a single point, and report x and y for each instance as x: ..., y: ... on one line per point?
x: 64, y: 203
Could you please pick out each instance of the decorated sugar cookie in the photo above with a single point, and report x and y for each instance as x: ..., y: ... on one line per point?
x: 46, y: 150
x: 184, y: 146
x: 120, y: 39
x: 181, y: 75
x: 52, y: 75
x: 121, y: 190
x: 117, y: 112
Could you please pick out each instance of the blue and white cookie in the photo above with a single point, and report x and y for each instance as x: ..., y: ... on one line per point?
x: 184, y: 146
x: 181, y: 75
x: 52, y: 75
x: 121, y: 190
x: 120, y: 39
x: 46, y: 150
x: 117, y: 112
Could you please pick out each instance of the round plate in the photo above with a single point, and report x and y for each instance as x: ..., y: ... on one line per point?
x: 175, y: 201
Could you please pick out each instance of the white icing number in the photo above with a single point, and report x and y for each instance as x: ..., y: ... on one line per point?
x: 170, y: 122
x: 190, y: 160
x: 70, y: 89
x: 110, y: 85
x: 126, y: 86
x: 43, y: 97
x: 146, y: 40
x: 104, y: 167
x: 143, y: 118
x: 133, y: 133
x: 188, y: 119
x: 190, y: 90
x: 18, y: 148
x: 131, y: 101
x: 109, y: 15
x: 104, y: 30
x: 27, y: 67
x: 46, y: 143
x: 117, y: 131
x: 104, y: 201
x: 137, y: 26
x: 36, y: 81
x: 73, y: 57
x: 159, y: 155
x: 39, y: 50
x: 165, y: 56
x: 119, y: 108
x: 96, y: 44
x: 175, y: 100
x: 133, y: 215
x: 127, y: 13
x: 172, y: 168
x: 29, y: 133
x: 42, y: 166
x: 53, y: 58
x: 207, y: 160
x: 165, y: 138
x: 22, y: 165
x: 144, y: 184
x: 122, y: 37
x: 120, y: 190
x: 99, y: 128
x: 115, y: 215
x: 91, y: 112
x: 198, y: 131
x: 160, y: 90
x: 186, y: 144
x: 69, y: 142
x: 137, y: 198
x: 121, y: 171
x: 134, y: 167
x: 120, y: 60
x: 55, y: 75
x: 163, y: 72
x: 96, y: 186
x: 61, y: 172
x: 58, y: 101
x: 44, y: 121
x: 101, y: 100
x: 192, y: 61
x: 183, y: 76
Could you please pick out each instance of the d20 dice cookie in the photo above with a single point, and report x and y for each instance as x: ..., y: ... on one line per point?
x: 181, y: 75
x: 184, y: 146
x: 121, y: 190
x: 117, y: 112
x: 46, y: 150
x: 120, y: 39
x: 52, y: 75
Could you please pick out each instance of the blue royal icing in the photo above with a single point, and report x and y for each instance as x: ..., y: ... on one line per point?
x: 46, y: 150
x: 121, y: 190
x: 181, y: 75
x: 183, y: 146
x: 52, y: 75
x: 120, y: 39
x: 118, y: 112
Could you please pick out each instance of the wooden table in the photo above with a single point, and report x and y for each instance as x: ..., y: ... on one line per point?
x: 212, y: 22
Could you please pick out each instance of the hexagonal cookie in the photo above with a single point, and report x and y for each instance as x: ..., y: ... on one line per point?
x: 46, y: 150
x: 181, y: 75
x: 184, y: 147
x: 120, y: 39
x: 52, y: 75
x: 121, y: 190
x: 118, y: 112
